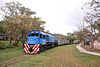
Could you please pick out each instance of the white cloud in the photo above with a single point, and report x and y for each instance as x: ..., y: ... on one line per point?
x: 61, y: 16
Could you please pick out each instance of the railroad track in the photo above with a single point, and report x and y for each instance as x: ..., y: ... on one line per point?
x: 73, y: 59
x: 76, y: 64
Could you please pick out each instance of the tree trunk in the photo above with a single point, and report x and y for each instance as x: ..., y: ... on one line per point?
x: 23, y: 39
x: 10, y: 40
x: 82, y: 43
x: 92, y: 41
x: 16, y: 43
x: 92, y: 46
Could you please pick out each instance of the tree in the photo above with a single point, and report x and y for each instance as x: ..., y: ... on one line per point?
x: 79, y: 35
x: 71, y: 37
x: 92, y: 17
x: 15, y: 15
x: 38, y: 24
x: 92, y: 14
x: 2, y: 31
x: 18, y: 21
x: 15, y: 8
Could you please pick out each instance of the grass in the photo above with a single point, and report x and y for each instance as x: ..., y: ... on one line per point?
x: 87, y: 59
x: 9, y: 51
x: 60, y: 57
x: 37, y: 60
x: 56, y: 57
x: 4, y: 45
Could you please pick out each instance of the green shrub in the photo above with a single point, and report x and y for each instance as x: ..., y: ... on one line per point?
x: 5, y: 45
x: 2, y: 45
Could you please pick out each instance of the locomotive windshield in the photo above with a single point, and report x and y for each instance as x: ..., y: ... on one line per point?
x: 33, y: 34
x: 36, y: 34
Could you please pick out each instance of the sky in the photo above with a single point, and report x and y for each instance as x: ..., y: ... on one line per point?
x: 61, y: 16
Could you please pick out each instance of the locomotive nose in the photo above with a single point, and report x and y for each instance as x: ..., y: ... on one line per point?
x: 30, y: 49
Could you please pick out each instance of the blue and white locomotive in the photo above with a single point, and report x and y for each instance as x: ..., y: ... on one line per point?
x: 37, y: 41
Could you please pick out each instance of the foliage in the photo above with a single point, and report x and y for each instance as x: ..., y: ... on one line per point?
x: 37, y: 23
x: 71, y: 36
x: 82, y: 34
x: 92, y: 17
x: 15, y: 8
x: 2, y: 31
x: 18, y: 22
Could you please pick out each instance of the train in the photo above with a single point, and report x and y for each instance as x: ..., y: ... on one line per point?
x: 38, y: 41
x: 3, y: 37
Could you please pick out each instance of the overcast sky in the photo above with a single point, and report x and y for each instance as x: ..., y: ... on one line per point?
x: 61, y: 16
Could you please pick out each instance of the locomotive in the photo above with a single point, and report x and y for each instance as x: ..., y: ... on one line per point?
x: 38, y: 41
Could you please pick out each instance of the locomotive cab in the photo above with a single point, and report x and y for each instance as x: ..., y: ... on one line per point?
x: 33, y: 38
x: 36, y: 37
